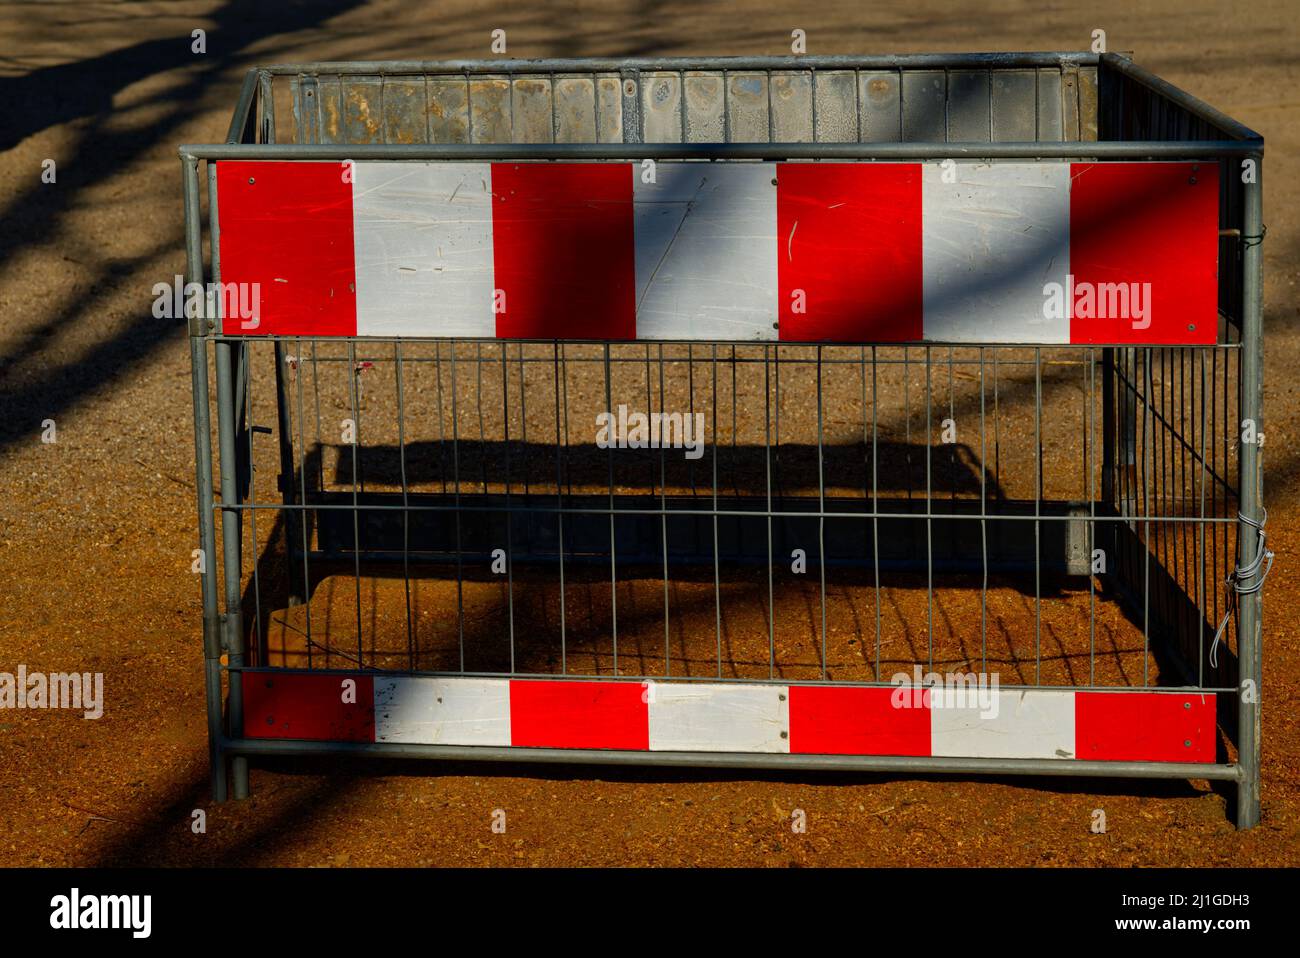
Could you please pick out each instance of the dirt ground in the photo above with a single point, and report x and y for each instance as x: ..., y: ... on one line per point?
x: 96, y: 529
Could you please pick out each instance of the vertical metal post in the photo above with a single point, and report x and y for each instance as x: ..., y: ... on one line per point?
x: 231, y: 517
x: 293, y: 519
x: 1109, y: 460
x: 231, y: 531
x: 1250, y: 674
x: 212, y: 638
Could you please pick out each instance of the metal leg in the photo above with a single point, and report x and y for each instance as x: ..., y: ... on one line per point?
x: 207, y: 543
x: 1250, y: 673
x: 231, y: 532
x: 216, y: 752
x: 203, y: 485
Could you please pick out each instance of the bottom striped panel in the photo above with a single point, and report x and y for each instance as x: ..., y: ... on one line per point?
x: 1153, y: 726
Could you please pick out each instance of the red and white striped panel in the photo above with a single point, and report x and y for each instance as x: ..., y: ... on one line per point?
x: 803, y: 252
x: 727, y: 717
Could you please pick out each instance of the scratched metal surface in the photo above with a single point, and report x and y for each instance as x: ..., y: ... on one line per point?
x: 991, y: 104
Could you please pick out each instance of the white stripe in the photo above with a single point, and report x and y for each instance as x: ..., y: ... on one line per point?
x: 685, y: 717
x: 423, y: 239
x: 433, y: 711
x: 706, y: 251
x: 990, y: 242
x: 1018, y: 724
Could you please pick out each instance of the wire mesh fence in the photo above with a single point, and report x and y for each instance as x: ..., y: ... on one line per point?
x: 737, y: 511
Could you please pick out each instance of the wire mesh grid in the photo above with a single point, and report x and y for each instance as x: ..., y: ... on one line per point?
x: 1057, y: 516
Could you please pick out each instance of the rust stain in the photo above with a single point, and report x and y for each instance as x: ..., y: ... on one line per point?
x: 531, y: 87
x: 332, y: 119
x: 360, y: 108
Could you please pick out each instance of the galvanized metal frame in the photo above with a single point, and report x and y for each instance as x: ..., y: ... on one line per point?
x: 252, y: 121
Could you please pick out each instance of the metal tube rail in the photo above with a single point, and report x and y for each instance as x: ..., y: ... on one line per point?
x: 1074, y: 768
x: 909, y: 61
x: 239, y: 120
x: 1080, y: 150
x: 712, y: 679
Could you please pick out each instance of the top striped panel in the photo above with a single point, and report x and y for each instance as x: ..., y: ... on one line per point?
x: 1047, y: 252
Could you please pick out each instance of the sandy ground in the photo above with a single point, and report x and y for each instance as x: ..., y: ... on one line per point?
x: 96, y: 529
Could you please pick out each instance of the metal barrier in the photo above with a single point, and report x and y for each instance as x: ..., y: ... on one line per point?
x: 890, y: 413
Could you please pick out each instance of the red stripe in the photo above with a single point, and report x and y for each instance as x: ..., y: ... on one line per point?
x: 849, y: 236
x: 1154, y: 223
x: 1144, y: 726
x: 301, y: 706
x: 857, y: 721
x: 287, y: 227
x: 579, y: 715
x: 564, y: 251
